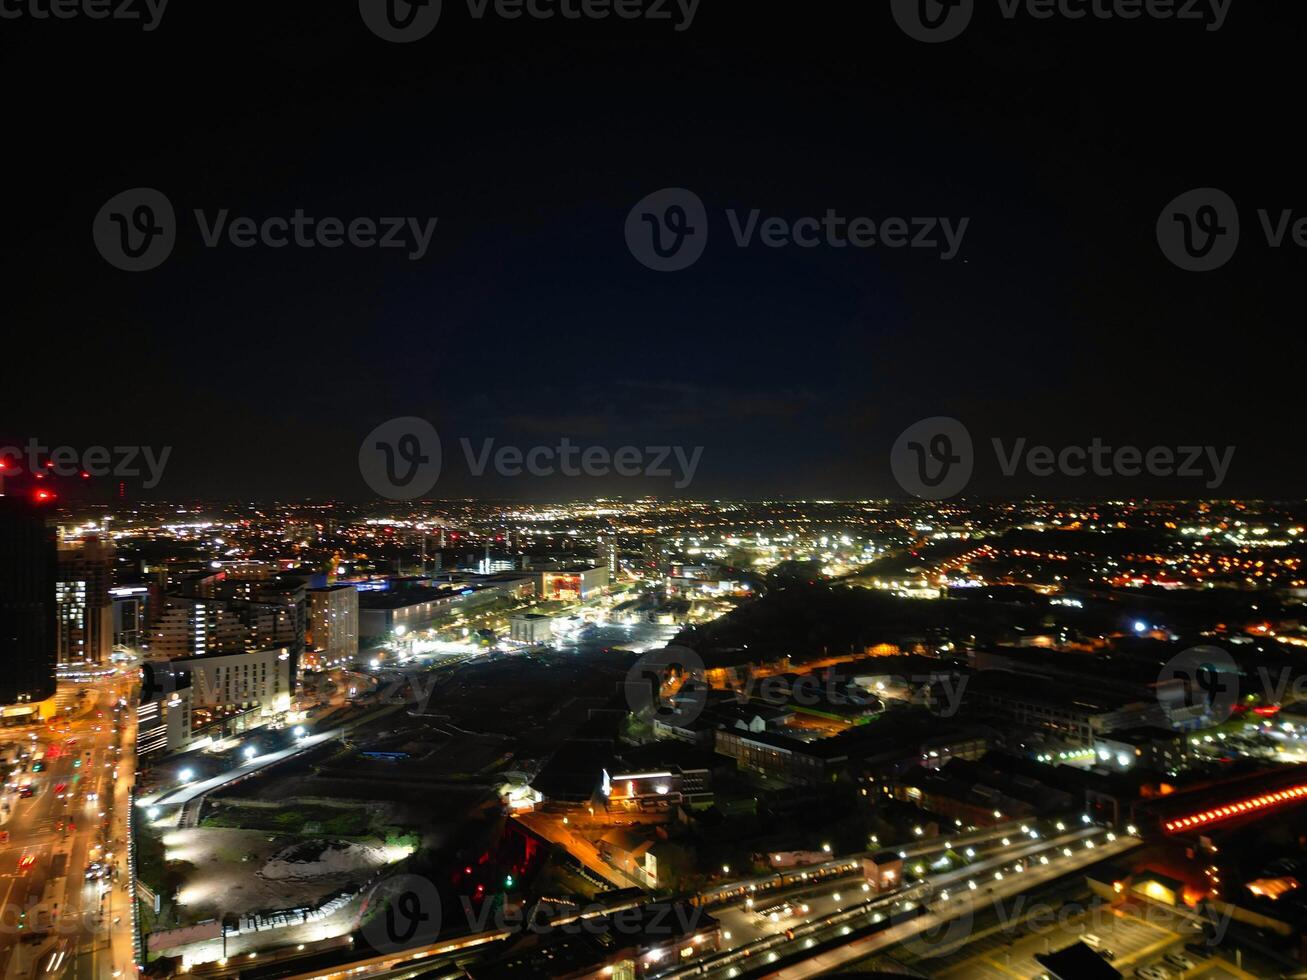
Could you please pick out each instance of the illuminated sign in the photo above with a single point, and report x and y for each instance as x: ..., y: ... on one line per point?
x: 1250, y: 805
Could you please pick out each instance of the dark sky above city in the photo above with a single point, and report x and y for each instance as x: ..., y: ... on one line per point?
x: 529, y: 320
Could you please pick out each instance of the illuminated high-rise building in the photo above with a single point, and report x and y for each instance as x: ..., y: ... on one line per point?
x: 84, y: 601
x: 333, y: 634
x: 606, y: 553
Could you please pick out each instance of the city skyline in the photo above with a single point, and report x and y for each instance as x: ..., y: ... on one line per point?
x: 652, y: 489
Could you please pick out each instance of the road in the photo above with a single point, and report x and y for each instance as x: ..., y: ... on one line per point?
x: 191, y: 791
x: 54, y: 922
x: 550, y: 827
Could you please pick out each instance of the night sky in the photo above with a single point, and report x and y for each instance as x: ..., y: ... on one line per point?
x: 529, y: 320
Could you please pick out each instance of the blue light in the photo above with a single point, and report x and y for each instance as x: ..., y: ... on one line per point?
x: 1141, y: 626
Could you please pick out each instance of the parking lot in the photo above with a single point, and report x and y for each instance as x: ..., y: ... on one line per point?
x: 1000, y: 954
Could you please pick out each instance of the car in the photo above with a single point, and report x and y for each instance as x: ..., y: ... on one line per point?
x: 1153, y: 972
x: 1179, y: 961
x: 60, y: 789
x: 1089, y: 939
x: 26, y: 861
x: 26, y: 792
x: 1107, y: 954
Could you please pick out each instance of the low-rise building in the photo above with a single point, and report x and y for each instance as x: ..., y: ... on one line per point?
x: 1074, y: 715
x: 658, y: 789
x: 184, y: 699
x: 163, y: 724
x: 979, y: 793
x: 572, y: 584
x: 883, y: 871
x: 1149, y: 746
x: 531, y: 628
x: 786, y: 758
